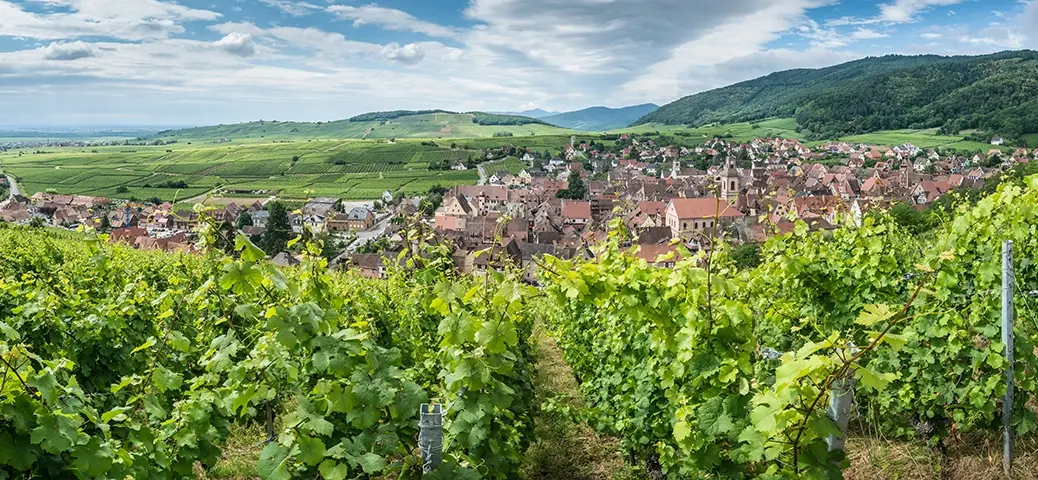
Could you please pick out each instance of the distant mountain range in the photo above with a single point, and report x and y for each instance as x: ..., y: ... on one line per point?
x: 535, y: 113
x: 598, y: 119
x: 996, y: 93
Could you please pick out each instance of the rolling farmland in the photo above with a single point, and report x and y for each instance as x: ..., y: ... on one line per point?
x: 435, y: 125
x: 354, y: 169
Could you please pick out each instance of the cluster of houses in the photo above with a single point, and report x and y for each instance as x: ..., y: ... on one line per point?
x: 781, y: 180
x: 741, y: 191
x: 159, y: 227
x: 26, y: 144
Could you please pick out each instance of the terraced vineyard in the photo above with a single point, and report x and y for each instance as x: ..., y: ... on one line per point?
x: 353, y: 169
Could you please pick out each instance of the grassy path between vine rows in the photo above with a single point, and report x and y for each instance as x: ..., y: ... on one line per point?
x: 562, y: 449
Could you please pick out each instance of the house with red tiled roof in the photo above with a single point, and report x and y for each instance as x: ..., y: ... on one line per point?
x: 662, y: 255
x: 127, y: 235
x: 576, y: 212
x: 687, y: 217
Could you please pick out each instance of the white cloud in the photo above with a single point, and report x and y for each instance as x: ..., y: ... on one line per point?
x: 996, y: 36
x: 553, y: 54
x: 233, y: 27
x: 122, y: 19
x: 905, y: 10
x: 931, y: 35
x: 608, y: 37
x: 1028, y: 23
x: 697, y: 64
x: 390, y: 18
x: 409, y: 54
x: 295, y: 9
x: 327, y: 43
x: 821, y: 37
x: 236, y: 43
x: 867, y: 34
x: 68, y: 51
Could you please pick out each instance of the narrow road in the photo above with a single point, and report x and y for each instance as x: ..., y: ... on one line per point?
x: 371, y: 233
x: 14, y: 186
x: 482, y: 175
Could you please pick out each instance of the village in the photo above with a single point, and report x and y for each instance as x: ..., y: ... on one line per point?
x: 665, y: 196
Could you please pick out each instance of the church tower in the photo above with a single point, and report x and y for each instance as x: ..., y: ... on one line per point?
x: 729, y: 181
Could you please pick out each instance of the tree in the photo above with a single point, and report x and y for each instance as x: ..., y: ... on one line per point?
x: 746, y: 255
x: 279, y: 231
x: 244, y: 220
x: 106, y: 224
x: 910, y: 218
x: 36, y: 222
x: 121, y: 189
x: 430, y: 203
x: 576, y: 190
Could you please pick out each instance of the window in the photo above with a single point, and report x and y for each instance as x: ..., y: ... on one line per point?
x: 733, y: 185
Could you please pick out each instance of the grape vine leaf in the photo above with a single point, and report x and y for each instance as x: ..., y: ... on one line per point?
x: 273, y: 462
x: 873, y: 379
x: 713, y: 419
x: 496, y: 336
x: 873, y: 314
x: 240, y: 279
x: 56, y: 432
x: 9, y: 332
x: 331, y: 470
x: 15, y: 453
x: 47, y: 386
x: 311, y: 450
x: 371, y: 463
x: 166, y: 379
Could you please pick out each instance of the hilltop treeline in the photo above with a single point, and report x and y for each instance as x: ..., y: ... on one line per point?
x: 481, y: 118
x: 393, y: 114
x: 996, y: 93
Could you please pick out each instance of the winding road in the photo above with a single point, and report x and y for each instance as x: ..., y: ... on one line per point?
x: 14, y: 186
x: 482, y: 175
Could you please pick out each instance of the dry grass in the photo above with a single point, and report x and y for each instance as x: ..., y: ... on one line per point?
x: 978, y: 457
x: 564, y: 450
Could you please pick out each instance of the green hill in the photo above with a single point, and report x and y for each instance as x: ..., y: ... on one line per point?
x: 375, y: 125
x: 997, y: 93
x: 598, y: 119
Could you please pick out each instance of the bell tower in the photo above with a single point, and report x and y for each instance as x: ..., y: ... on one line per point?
x: 729, y: 181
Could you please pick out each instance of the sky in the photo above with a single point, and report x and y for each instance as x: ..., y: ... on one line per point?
x: 202, y: 62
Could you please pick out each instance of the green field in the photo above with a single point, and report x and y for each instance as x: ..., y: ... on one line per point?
x: 436, y: 125
x: 740, y: 132
x: 920, y: 138
x: 356, y: 169
x: 511, y: 165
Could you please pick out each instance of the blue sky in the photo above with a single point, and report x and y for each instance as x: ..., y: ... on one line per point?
x: 194, y: 62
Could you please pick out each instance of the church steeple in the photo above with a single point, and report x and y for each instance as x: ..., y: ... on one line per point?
x: 729, y: 180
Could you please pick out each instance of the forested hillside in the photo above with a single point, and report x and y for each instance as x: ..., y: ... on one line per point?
x: 997, y: 93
